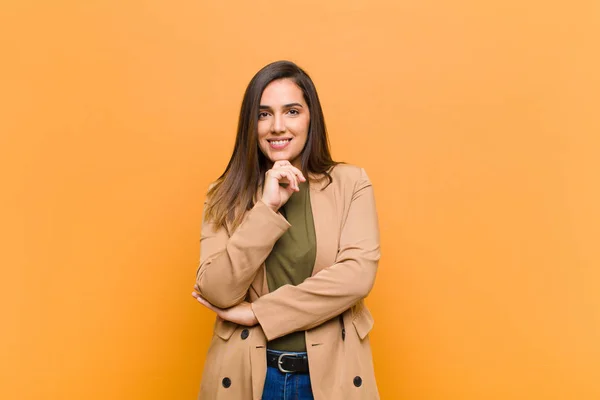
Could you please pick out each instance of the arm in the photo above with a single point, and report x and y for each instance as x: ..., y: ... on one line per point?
x: 229, y: 264
x: 336, y: 288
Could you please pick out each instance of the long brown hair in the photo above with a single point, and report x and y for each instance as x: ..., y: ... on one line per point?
x: 234, y: 192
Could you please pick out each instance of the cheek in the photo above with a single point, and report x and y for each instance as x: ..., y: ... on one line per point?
x: 301, y: 126
x: 261, y: 131
x: 261, y: 136
x: 306, y: 124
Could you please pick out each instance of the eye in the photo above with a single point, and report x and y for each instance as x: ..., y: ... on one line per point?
x: 293, y: 111
x: 263, y: 114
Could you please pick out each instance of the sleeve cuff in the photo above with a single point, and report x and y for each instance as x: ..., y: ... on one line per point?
x: 259, y: 313
x: 267, y: 212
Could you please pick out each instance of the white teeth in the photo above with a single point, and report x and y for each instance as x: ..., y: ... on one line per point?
x: 280, y: 142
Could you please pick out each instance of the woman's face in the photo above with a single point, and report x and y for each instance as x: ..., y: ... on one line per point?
x: 283, y: 122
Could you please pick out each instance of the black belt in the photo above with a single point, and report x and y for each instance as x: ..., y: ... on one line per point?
x: 288, y: 362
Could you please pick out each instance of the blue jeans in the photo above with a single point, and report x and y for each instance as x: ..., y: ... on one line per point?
x: 286, y: 386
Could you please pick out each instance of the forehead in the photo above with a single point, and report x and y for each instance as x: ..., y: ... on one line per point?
x: 282, y: 91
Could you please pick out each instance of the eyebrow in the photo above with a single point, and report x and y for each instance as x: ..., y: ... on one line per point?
x: 263, y: 107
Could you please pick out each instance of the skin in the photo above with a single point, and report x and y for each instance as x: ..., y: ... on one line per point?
x: 283, y: 114
x: 240, y: 314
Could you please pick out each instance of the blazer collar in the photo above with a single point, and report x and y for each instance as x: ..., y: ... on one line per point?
x: 317, y: 181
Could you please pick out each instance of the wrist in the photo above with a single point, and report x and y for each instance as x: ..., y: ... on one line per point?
x: 254, y: 319
x: 274, y: 208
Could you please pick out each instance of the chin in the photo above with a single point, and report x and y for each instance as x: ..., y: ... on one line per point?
x: 280, y: 157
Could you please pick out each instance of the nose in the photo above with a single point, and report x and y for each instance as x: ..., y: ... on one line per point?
x: 278, y: 124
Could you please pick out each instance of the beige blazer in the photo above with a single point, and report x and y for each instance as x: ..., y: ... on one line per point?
x: 328, y: 305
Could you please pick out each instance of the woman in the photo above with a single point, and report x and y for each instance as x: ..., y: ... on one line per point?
x: 289, y: 250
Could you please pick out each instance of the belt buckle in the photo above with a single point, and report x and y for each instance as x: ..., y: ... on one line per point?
x: 280, y: 361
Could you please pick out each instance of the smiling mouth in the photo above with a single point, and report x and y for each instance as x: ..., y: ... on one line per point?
x: 279, y: 142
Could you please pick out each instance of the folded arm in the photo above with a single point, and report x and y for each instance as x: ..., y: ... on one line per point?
x: 228, y: 264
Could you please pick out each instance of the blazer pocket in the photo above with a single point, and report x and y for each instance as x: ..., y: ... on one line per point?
x: 224, y: 329
x: 363, y: 322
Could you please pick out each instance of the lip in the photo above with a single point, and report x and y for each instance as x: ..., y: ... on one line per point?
x: 280, y: 146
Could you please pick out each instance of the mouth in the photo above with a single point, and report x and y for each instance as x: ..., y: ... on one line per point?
x: 279, y: 144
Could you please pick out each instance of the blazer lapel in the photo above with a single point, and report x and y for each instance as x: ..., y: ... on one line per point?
x: 322, y: 202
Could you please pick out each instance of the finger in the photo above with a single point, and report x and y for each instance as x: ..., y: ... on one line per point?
x: 296, y: 184
x: 196, y: 287
x: 277, y: 174
x: 205, y: 303
x: 281, y: 163
x: 198, y: 297
x: 284, y: 175
x: 296, y: 172
x: 293, y: 180
x: 287, y: 164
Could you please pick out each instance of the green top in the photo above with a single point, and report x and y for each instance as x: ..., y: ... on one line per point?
x: 293, y: 257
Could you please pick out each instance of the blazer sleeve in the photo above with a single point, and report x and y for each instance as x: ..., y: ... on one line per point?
x: 228, y: 264
x: 336, y: 288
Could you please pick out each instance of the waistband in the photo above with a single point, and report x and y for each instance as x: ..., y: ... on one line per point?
x: 288, y: 361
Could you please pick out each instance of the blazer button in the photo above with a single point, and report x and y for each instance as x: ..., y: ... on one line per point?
x: 357, y: 381
x: 245, y: 334
x: 226, y: 382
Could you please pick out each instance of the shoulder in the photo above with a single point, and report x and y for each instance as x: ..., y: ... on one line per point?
x: 344, y: 177
x: 349, y: 175
x: 346, y: 172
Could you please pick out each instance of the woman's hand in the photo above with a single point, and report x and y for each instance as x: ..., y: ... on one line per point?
x: 275, y: 195
x: 240, y: 314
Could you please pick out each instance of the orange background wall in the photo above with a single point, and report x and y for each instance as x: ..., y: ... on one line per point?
x: 478, y: 122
